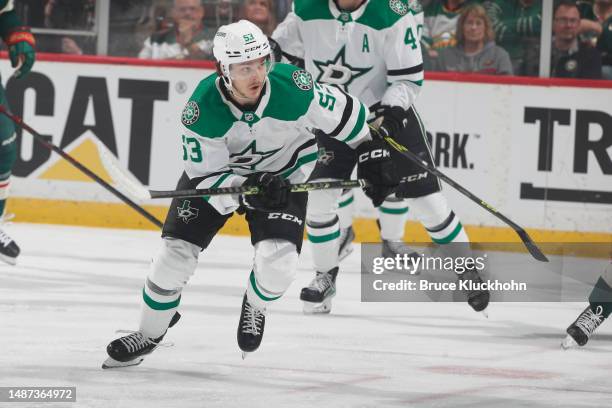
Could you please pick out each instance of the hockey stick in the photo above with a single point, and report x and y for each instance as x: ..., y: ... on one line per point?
x: 295, y: 188
x: 37, y: 136
x: 403, y: 150
x: 136, y: 189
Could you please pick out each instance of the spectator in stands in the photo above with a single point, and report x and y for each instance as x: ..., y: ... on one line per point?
x: 517, y: 25
x: 130, y: 23
x: 596, y: 28
x: 224, y: 12
x: 440, y: 24
x: 184, y: 39
x: 592, y: 16
x: 604, y: 45
x: 259, y: 12
x: 475, y: 50
x: 69, y: 15
x: 570, y: 59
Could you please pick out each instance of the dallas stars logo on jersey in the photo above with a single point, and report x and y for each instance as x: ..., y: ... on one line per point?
x: 186, y: 212
x: 250, y: 157
x: 338, y: 72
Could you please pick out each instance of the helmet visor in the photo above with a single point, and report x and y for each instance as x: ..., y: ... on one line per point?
x: 245, y: 70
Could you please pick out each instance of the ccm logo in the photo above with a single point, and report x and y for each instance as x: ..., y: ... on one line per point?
x: 416, y: 177
x: 374, y: 154
x: 286, y: 217
x: 252, y: 48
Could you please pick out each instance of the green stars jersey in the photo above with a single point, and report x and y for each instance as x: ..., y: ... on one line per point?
x: 223, y: 143
x: 372, y: 52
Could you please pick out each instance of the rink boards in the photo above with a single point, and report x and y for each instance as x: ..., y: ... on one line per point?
x: 539, y: 151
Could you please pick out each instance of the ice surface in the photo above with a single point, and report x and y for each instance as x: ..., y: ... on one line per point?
x: 73, y: 287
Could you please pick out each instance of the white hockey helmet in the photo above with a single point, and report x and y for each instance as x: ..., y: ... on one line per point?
x: 238, y: 42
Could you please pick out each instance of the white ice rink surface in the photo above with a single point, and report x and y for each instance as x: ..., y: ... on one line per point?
x: 74, y: 287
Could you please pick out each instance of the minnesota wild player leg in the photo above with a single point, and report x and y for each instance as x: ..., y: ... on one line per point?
x: 9, y: 250
x: 598, y: 310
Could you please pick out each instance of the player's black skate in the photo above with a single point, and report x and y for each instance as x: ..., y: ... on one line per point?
x: 579, y: 332
x: 476, y: 297
x: 318, y: 295
x: 9, y: 250
x: 347, y: 235
x: 250, y: 327
x: 130, y: 350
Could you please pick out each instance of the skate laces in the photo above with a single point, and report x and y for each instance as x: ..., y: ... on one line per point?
x: 252, y: 319
x: 5, y: 240
x: 136, y: 341
x: 589, y: 321
x: 322, y: 281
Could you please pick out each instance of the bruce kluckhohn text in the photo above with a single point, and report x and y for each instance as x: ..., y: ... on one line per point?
x: 425, y: 285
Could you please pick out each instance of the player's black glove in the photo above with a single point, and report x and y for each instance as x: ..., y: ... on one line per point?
x: 394, y: 120
x: 374, y: 164
x: 273, y: 195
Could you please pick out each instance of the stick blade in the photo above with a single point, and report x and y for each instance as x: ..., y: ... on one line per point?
x: 531, y: 246
x: 123, y: 179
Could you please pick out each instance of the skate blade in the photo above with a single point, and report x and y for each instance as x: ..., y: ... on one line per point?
x: 346, y: 251
x: 485, y: 312
x: 8, y: 260
x: 112, y: 363
x: 568, y: 343
x: 317, y: 308
x: 245, y: 354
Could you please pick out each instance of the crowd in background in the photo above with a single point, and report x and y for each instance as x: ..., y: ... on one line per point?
x: 497, y: 37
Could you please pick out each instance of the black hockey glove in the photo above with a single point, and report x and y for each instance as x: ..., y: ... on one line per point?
x: 375, y: 165
x: 273, y: 195
x: 394, y: 120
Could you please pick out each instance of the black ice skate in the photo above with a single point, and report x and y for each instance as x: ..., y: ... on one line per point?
x: 250, y: 327
x: 130, y: 350
x: 347, y: 235
x: 9, y: 250
x: 476, y: 297
x: 318, y: 295
x: 579, y: 332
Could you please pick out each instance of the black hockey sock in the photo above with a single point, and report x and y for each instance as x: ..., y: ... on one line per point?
x: 601, y: 295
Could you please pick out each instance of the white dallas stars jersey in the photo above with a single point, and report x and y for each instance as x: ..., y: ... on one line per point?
x: 372, y: 52
x: 222, y: 143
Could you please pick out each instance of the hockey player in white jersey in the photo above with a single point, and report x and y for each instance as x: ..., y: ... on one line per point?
x: 252, y: 124
x: 370, y: 49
